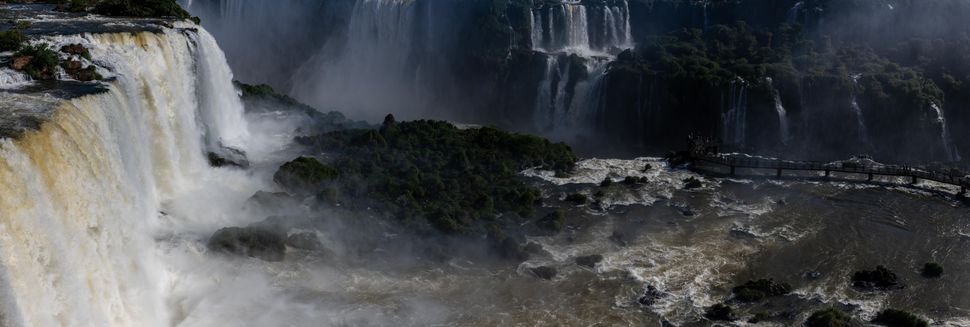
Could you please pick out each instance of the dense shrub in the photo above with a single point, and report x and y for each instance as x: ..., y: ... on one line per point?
x: 43, y: 61
x: 11, y: 40
x: 304, y: 174
x: 430, y: 173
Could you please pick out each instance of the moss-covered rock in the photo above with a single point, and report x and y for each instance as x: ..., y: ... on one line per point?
x: 830, y: 318
x: 720, y: 312
x: 880, y: 278
x: 545, y: 272
x: 754, y: 291
x: 899, y: 318
x: 39, y: 61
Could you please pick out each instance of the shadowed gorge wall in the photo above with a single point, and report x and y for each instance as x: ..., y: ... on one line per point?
x: 814, y: 79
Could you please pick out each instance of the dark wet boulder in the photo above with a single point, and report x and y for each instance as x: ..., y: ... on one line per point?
x: 304, y: 174
x: 534, y: 248
x: 576, y: 198
x: 635, y: 181
x: 270, y: 201
x: 544, y: 272
x: 77, y: 50
x: 589, y: 261
x: 619, y: 238
x: 757, y: 290
x: 607, y: 182
x: 248, y: 241
x: 932, y: 270
x: 304, y: 241
x: 899, y: 318
x: 720, y: 312
x: 830, y: 318
x: 553, y: 222
x: 509, y: 249
x: 216, y: 160
x: 880, y: 278
x: 692, y: 183
x: 651, y: 296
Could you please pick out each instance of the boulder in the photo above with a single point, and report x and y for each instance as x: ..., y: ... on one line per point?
x: 830, y: 317
x: 651, y: 296
x: 720, y: 312
x: 880, y: 278
x: 248, y: 241
x: 304, y: 241
x: 304, y: 174
x: 932, y: 270
x: 76, y: 49
x: 589, y: 261
x: 545, y: 272
x: 619, y: 238
x: 576, y: 198
x: 899, y: 318
x: 754, y: 291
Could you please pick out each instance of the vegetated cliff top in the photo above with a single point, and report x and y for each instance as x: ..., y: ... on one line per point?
x: 116, y: 8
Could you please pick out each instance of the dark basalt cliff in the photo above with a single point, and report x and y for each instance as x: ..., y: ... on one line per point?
x: 814, y: 79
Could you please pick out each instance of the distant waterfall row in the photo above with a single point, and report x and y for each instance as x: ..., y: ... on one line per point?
x: 577, y: 28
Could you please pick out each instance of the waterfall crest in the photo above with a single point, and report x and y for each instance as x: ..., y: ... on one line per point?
x: 82, y: 195
x: 577, y: 28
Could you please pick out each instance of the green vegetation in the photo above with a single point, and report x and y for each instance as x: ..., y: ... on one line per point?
x: 932, y: 270
x: 754, y: 291
x: 39, y: 61
x: 829, y: 318
x: 899, y: 318
x: 554, y: 221
x: 11, y: 40
x: 430, y: 174
x: 304, y: 173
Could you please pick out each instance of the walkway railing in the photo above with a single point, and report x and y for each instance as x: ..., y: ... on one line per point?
x: 779, y: 166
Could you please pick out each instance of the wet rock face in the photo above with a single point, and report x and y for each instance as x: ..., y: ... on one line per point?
x: 304, y: 241
x: 19, y: 63
x: 589, y: 261
x: 651, y: 296
x: 248, y: 241
x: 545, y: 272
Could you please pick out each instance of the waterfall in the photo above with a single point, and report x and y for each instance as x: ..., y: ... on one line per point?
x: 734, y: 118
x: 860, y: 116
x: 82, y: 196
x: 375, y: 69
x: 583, y: 29
x: 782, y: 118
x: 795, y: 12
x: 948, y: 148
x: 565, y: 103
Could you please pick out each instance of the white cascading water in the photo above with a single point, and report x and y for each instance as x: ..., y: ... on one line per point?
x: 561, y: 107
x: 734, y: 113
x: 949, y: 149
x: 576, y: 28
x: 860, y: 116
x: 379, y: 41
x: 782, y: 118
x: 795, y: 12
x: 83, y: 196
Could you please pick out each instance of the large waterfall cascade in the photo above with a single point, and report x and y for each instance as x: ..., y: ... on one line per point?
x: 565, y: 103
x: 91, y: 198
x: 734, y: 113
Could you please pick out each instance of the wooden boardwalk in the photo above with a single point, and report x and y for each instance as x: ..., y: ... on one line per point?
x: 780, y: 166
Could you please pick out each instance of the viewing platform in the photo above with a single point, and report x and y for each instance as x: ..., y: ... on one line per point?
x: 704, y: 152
